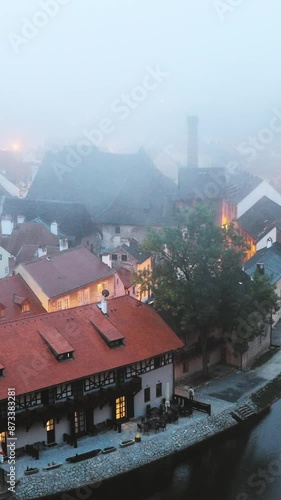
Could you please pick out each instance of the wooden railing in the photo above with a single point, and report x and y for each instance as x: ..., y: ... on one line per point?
x: 191, y: 404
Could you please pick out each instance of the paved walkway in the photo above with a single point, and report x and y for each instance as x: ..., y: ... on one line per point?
x: 223, y: 391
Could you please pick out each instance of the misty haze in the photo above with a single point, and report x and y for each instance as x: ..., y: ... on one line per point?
x: 140, y: 249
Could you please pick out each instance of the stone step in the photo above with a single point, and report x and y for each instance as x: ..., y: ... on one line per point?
x: 243, y: 413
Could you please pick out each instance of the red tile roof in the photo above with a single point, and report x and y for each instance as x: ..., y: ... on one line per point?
x: 107, y: 329
x: 55, y: 340
x: 30, y: 365
x: 67, y: 271
x: 16, y: 286
x: 126, y: 276
x: 28, y: 253
x: 30, y: 233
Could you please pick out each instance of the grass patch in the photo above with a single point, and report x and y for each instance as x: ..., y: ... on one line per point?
x: 270, y: 393
x: 266, y: 356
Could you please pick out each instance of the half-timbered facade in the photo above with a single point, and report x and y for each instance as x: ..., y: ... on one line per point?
x: 84, y: 368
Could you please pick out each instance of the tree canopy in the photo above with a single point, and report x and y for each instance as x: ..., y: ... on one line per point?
x: 197, y: 277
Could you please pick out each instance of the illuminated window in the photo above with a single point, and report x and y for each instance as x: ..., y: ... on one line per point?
x: 79, y: 422
x: 63, y: 303
x: 50, y: 425
x: 25, y: 307
x: 2, y: 311
x: 84, y: 296
x: 120, y: 408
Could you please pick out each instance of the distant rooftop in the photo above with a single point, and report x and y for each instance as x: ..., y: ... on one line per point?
x: 261, y: 217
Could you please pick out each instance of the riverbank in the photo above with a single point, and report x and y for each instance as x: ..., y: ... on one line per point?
x: 178, y: 438
x: 257, y: 389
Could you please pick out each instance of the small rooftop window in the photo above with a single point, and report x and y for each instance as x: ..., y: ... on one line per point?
x: 58, y: 345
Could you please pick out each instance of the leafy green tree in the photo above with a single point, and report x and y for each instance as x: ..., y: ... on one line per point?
x: 197, y: 276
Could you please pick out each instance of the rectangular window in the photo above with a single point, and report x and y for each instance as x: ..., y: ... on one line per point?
x: 117, y: 229
x: 84, y: 296
x: 79, y: 422
x: 63, y: 391
x: 147, y: 394
x: 120, y: 411
x: 28, y: 400
x: 6, y: 270
x: 157, y: 362
x: 124, y: 258
x: 114, y: 256
x: 0, y: 256
x: 185, y: 367
x: 63, y: 303
x: 159, y: 390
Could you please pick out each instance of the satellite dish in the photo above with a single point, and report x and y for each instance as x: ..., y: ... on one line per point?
x: 105, y: 293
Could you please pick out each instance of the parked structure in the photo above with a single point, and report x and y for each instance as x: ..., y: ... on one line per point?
x: 68, y: 279
x: 26, y: 241
x: 75, y: 370
x: 130, y: 260
x: 260, y: 224
x: 17, y: 300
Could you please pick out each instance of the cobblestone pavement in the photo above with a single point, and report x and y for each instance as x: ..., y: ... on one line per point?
x: 226, y: 389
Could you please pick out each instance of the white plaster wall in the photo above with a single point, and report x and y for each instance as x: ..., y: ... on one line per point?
x: 111, y: 240
x: 37, y: 432
x: 44, y: 299
x: 4, y: 263
x: 263, y: 189
x: 262, y: 243
x: 150, y: 379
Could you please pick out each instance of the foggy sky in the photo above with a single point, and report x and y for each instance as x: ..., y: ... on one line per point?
x: 66, y: 78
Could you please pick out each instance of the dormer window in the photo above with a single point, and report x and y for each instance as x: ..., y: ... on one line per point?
x: 108, y: 332
x: 57, y: 344
x: 23, y: 302
x: 64, y: 356
x: 2, y: 311
x: 25, y: 307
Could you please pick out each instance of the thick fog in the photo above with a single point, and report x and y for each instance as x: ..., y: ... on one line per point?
x: 133, y: 71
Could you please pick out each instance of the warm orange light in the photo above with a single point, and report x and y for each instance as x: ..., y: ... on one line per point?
x: 16, y: 146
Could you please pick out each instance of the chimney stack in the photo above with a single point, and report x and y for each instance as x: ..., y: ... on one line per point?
x: 63, y: 244
x: 192, y: 142
x: 20, y: 219
x: 41, y: 251
x: 7, y: 225
x: 54, y: 228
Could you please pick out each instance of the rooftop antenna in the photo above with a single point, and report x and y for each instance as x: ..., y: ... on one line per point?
x: 103, y: 304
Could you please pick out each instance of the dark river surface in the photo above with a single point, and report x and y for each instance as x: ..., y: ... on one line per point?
x: 242, y: 466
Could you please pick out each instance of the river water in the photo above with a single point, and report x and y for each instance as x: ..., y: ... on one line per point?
x: 244, y: 466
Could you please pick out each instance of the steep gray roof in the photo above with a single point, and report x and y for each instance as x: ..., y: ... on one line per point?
x: 270, y: 257
x: 135, y: 250
x: 201, y: 183
x: 261, y: 217
x: 240, y: 184
x: 73, y: 218
x: 115, y: 188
